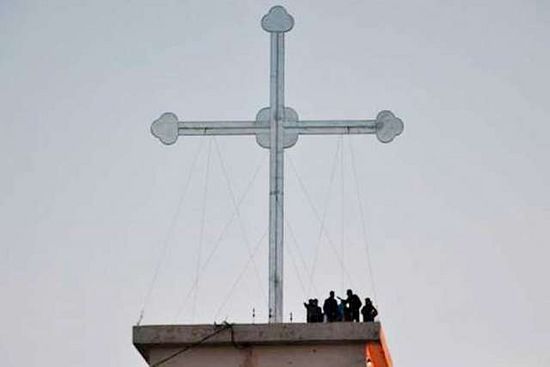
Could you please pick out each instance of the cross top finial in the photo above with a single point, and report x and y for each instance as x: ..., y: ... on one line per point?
x: 276, y: 128
x: 277, y: 20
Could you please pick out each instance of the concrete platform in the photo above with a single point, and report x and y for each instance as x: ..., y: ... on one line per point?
x: 250, y: 345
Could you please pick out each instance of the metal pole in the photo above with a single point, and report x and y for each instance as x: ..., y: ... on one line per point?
x: 276, y: 173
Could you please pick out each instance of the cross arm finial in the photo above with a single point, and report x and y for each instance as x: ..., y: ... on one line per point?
x: 165, y: 128
x: 388, y: 126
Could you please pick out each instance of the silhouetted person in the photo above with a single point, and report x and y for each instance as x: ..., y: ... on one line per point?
x: 317, y: 312
x: 353, y: 304
x: 330, y: 308
x: 310, y: 310
x: 368, y: 311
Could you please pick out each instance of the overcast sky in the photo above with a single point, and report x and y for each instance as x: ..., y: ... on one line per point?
x: 455, y: 212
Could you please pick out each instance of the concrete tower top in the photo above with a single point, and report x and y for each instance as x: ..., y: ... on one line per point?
x: 250, y: 345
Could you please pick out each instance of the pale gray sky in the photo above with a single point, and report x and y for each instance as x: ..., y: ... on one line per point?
x: 457, y: 209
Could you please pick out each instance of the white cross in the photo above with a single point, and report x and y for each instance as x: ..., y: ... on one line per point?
x: 277, y: 127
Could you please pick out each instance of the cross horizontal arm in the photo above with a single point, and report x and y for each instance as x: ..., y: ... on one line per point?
x: 386, y: 127
x: 220, y: 127
x: 167, y: 128
x: 313, y: 127
x: 331, y: 127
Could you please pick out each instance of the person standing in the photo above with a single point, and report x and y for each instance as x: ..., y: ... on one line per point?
x: 353, y: 304
x: 310, y: 310
x: 368, y: 311
x: 317, y: 312
x: 330, y: 308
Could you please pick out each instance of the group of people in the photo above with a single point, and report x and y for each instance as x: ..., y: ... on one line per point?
x: 347, y: 310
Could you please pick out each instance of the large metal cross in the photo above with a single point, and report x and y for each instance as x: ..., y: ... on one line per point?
x: 277, y: 127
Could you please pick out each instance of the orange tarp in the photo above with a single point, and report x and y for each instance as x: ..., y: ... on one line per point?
x: 377, y: 353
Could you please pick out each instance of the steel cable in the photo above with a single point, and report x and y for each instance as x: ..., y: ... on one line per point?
x: 241, y: 274
x: 220, y: 238
x: 239, y: 217
x: 219, y: 329
x: 318, y: 217
x: 169, y: 233
x: 323, y: 218
x: 342, y: 212
x: 295, y: 266
x: 202, y: 227
x: 362, y: 217
x: 300, y: 255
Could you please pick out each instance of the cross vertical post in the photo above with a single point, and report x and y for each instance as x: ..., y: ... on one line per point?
x: 276, y: 128
x: 277, y: 21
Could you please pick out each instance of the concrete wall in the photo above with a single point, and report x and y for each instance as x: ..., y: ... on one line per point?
x: 264, y: 356
x: 338, y: 344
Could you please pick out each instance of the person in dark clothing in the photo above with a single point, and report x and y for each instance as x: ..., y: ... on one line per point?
x: 317, y: 312
x: 330, y: 308
x: 309, y: 310
x: 368, y: 311
x: 353, y: 304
